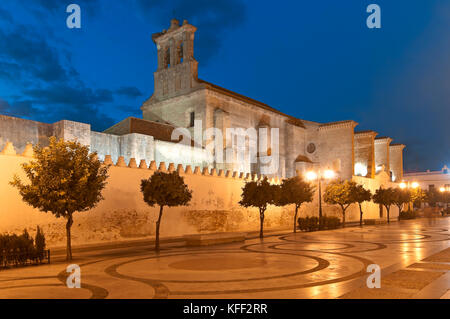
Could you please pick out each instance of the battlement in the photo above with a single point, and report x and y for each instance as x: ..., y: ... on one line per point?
x: 9, y: 150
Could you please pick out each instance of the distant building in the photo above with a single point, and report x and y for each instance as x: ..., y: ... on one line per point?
x: 430, y: 179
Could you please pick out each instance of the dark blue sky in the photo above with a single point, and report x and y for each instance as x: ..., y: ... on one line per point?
x: 315, y: 60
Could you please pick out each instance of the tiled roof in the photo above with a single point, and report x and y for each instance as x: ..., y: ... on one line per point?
x: 160, y: 131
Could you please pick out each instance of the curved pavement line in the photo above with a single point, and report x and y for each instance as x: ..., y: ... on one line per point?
x: 379, y: 245
x: 321, y: 264
x: 161, y: 291
x: 97, y: 291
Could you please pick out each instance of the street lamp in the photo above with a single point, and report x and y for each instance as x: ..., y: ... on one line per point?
x: 320, y: 176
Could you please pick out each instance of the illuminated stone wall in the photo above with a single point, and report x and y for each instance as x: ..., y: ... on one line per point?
x: 365, y: 153
x: 336, y: 147
x: 382, y: 153
x: 123, y: 215
x: 396, y: 161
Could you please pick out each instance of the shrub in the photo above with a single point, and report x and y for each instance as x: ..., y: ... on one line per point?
x: 39, y: 241
x: 16, y: 249
x: 314, y: 223
x: 409, y: 214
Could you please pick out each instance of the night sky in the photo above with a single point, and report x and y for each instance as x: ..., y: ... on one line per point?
x: 315, y: 60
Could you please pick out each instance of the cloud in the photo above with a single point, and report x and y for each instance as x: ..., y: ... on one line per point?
x: 22, y: 47
x: 91, y: 7
x: 5, y: 16
x: 51, y: 89
x: 212, y: 18
x: 19, y: 108
x: 129, y: 91
x: 70, y: 96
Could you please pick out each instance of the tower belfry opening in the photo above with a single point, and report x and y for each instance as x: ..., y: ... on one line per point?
x: 177, y: 68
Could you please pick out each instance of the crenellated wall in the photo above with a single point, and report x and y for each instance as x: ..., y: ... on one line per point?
x: 123, y: 214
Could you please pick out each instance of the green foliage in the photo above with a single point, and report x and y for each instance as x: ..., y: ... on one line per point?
x: 341, y: 193
x: 39, y: 240
x: 401, y: 197
x: 409, y: 214
x: 260, y: 194
x: 294, y: 191
x: 315, y: 223
x: 17, y: 250
x: 432, y: 197
x: 385, y: 197
x: 63, y: 179
x: 13, y: 242
x: 360, y: 194
x: 418, y: 196
x: 165, y: 189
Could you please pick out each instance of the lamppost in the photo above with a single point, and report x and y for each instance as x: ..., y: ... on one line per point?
x: 320, y: 176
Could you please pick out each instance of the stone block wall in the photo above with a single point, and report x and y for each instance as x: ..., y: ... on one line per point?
x: 365, y: 151
x: 20, y: 132
x: 382, y: 153
x: 123, y: 214
x: 396, y: 161
x: 336, y: 143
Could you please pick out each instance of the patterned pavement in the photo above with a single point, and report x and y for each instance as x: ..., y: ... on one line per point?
x: 414, y: 257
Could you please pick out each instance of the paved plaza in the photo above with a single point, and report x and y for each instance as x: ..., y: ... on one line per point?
x: 414, y: 257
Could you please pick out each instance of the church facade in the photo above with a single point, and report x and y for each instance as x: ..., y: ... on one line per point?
x: 183, y: 108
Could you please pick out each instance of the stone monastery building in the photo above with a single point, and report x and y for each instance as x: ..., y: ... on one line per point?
x: 182, y: 100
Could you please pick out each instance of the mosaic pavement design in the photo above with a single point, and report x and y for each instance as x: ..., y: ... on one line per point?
x: 414, y: 257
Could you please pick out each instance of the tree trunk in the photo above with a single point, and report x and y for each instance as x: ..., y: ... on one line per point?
x: 261, y: 226
x: 158, y: 223
x: 69, y: 238
x: 295, y: 219
x: 387, y: 210
x: 343, y: 218
x: 399, y: 210
x: 343, y: 215
x: 360, y: 214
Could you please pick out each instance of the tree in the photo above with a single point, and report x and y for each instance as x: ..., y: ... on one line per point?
x: 165, y: 189
x: 295, y: 191
x: 432, y: 197
x: 361, y: 195
x: 340, y: 193
x: 418, y: 196
x: 385, y: 197
x: 259, y: 194
x: 64, y: 179
x: 401, y: 197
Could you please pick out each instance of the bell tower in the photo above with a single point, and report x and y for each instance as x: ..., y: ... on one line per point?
x: 177, y: 69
